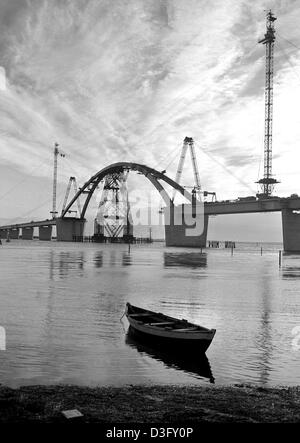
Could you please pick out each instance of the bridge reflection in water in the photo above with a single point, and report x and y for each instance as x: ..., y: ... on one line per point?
x: 197, y: 365
x: 290, y: 268
x: 185, y: 259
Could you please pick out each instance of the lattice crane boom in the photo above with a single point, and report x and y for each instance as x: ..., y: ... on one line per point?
x: 76, y: 190
x: 71, y: 180
x: 181, y: 161
x: 188, y: 142
x: 195, y: 166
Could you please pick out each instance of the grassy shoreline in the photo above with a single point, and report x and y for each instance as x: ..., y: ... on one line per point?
x: 151, y: 404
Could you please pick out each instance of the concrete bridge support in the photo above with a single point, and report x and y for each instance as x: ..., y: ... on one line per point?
x: 3, y: 233
x: 180, y: 230
x: 290, y: 230
x: 45, y: 233
x: 69, y: 228
x: 27, y: 233
x: 14, y: 233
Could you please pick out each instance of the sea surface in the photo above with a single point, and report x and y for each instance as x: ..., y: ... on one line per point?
x: 61, y: 304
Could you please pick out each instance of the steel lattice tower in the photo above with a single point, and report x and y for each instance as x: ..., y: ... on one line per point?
x: 114, y: 215
x: 267, y: 182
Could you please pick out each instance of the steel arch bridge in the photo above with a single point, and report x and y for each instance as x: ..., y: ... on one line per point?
x: 151, y: 174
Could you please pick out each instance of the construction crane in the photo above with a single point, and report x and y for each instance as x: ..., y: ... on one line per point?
x: 71, y: 180
x: 188, y: 142
x: 268, y: 182
x: 56, y: 154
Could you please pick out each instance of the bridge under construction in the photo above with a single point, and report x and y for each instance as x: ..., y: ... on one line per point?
x: 69, y: 227
x: 114, y: 215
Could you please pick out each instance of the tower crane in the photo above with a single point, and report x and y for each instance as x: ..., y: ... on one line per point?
x: 268, y: 182
x: 56, y: 153
x: 71, y: 180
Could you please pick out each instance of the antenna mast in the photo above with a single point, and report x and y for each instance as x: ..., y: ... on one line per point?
x: 267, y: 182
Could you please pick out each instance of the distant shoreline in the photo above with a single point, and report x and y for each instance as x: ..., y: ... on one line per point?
x: 151, y: 404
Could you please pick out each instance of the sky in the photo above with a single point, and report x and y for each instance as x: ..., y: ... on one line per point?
x: 127, y: 81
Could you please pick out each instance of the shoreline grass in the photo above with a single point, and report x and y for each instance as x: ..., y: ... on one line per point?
x: 151, y: 404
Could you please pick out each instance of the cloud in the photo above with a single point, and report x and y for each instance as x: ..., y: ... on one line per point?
x: 114, y: 81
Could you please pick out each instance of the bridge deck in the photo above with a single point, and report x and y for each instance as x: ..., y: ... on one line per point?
x: 250, y: 206
x: 31, y: 224
x: 214, y: 208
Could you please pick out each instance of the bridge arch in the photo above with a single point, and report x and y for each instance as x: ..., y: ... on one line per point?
x: 151, y: 174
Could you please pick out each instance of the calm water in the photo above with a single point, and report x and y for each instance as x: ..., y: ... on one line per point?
x: 61, y: 304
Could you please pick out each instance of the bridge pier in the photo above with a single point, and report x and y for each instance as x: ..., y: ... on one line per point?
x: 45, y: 233
x: 27, y: 233
x: 14, y: 233
x: 290, y: 230
x: 3, y: 233
x: 179, y: 230
x: 69, y: 228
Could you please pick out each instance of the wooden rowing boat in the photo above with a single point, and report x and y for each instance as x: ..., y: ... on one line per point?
x: 170, y: 331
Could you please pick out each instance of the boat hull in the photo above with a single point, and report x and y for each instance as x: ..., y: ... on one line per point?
x: 170, y: 343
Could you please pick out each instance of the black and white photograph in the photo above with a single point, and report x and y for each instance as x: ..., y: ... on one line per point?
x: 149, y: 215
